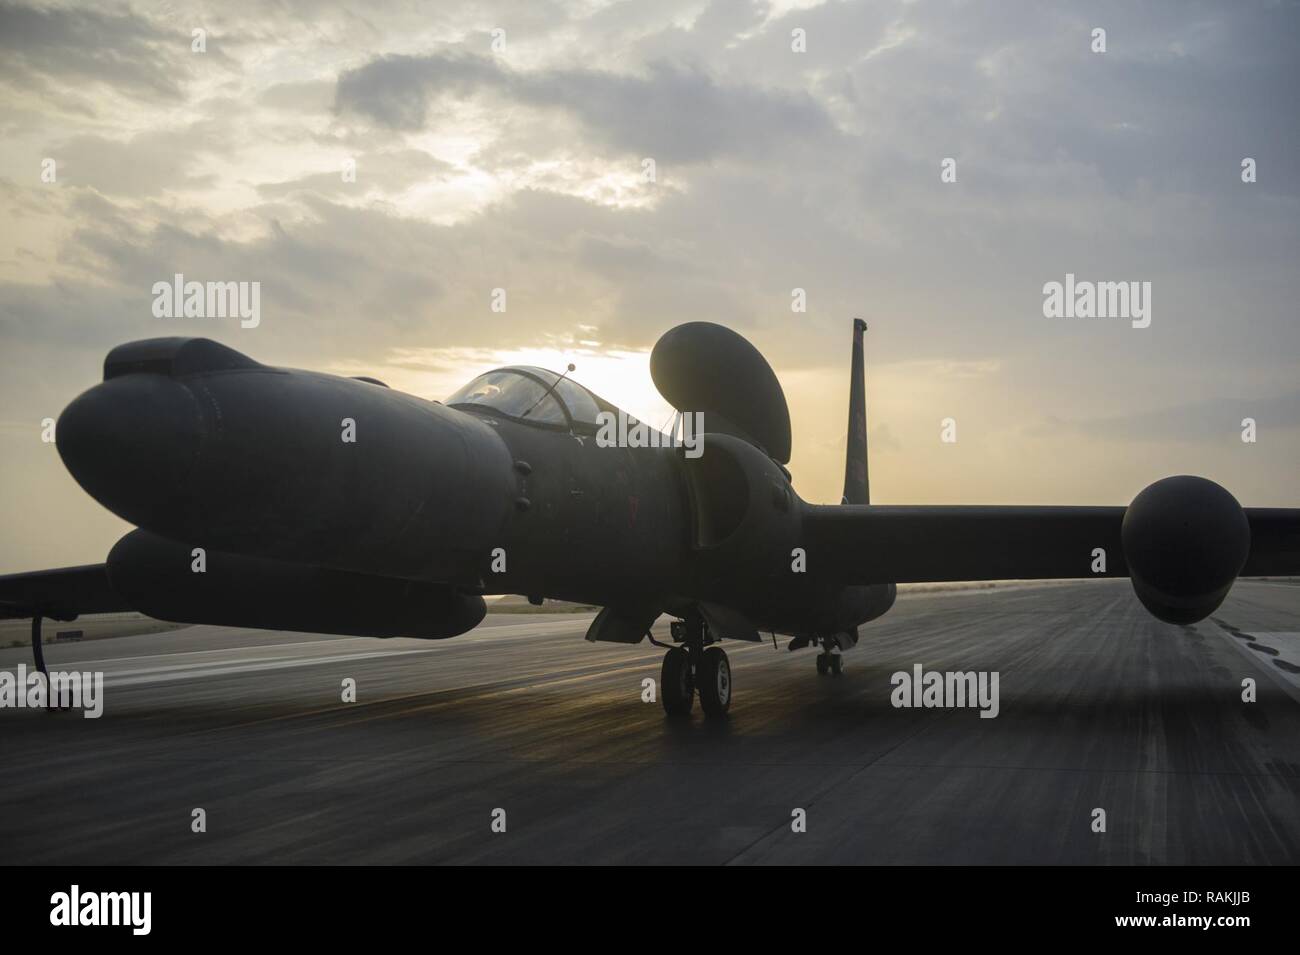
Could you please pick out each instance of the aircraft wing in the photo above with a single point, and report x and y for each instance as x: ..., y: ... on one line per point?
x: 1274, y: 542
x: 61, y: 594
x: 867, y: 544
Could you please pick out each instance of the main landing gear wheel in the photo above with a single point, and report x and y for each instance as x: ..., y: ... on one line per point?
x: 677, y: 688
x: 714, y: 679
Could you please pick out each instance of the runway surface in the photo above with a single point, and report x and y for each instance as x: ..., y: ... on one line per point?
x: 1101, y: 707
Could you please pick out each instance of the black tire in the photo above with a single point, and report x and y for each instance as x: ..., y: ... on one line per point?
x: 823, y: 666
x: 714, y: 680
x: 676, y: 688
x: 837, y: 664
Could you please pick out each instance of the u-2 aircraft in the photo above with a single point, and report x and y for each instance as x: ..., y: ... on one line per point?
x: 403, y: 525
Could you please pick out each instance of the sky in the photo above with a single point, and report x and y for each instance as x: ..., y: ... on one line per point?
x: 795, y: 145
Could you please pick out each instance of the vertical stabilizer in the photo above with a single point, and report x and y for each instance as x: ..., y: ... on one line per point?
x: 857, y: 489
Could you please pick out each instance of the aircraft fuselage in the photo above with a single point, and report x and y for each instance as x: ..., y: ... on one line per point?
x: 200, y: 445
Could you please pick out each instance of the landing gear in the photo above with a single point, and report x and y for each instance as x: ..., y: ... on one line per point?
x: 696, y: 665
x: 676, y: 684
x: 828, y: 662
x: 37, y: 655
x: 714, y: 676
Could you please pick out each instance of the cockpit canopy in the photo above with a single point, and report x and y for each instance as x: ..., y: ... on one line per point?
x: 520, y: 392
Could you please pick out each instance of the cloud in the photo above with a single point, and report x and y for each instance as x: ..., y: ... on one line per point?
x: 672, y: 112
x: 388, y: 172
x: 395, y: 90
x: 1204, y: 420
x: 56, y: 47
x: 145, y: 165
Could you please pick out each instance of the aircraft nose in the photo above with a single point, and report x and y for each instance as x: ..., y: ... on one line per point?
x: 132, y: 442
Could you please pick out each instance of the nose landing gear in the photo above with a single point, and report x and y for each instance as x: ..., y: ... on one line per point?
x: 697, y: 664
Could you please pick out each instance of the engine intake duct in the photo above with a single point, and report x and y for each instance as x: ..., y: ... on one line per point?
x: 1185, y: 541
x: 745, y: 517
x: 157, y: 577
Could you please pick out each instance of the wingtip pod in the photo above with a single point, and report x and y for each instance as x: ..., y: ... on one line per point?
x: 1185, y: 540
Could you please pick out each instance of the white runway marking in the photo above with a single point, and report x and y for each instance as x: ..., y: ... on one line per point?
x: 484, y: 635
x: 266, y: 657
x: 1287, y: 645
x: 199, y: 671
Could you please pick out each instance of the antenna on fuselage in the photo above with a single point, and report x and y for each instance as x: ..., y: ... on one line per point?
x: 548, y: 391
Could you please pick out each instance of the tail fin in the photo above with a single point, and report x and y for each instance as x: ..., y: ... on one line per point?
x: 857, y: 489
